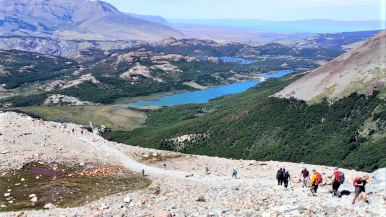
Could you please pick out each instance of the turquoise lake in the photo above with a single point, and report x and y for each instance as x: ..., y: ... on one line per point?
x: 203, y: 96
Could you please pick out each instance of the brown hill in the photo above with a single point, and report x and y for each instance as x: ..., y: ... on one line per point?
x: 361, y: 70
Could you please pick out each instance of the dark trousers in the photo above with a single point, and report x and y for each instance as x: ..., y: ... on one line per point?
x: 280, y: 182
x: 314, y: 188
x: 335, y: 187
x: 285, y: 183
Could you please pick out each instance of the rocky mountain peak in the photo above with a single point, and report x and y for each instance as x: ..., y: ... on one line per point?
x: 95, y: 19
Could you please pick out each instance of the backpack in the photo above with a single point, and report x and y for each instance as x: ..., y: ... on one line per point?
x: 341, y: 177
x: 318, y: 179
x: 234, y: 172
x: 279, y: 174
x: 356, y: 180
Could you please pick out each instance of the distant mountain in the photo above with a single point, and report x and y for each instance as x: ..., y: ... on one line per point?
x: 341, y: 41
x: 155, y: 19
x: 76, y: 19
x: 361, y: 70
x: 311, y: 26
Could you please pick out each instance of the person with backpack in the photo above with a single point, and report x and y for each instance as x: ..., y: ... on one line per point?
x: 359, y: 184
x: 337, y: 180
x: 207, y: 171
x: 234, y: 173
x: 315, y: 181
x: 280, y: 177
x: 306, y: 176
x: 286, y: 177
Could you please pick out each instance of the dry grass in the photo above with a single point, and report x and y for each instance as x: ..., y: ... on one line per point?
x: 114, y: 117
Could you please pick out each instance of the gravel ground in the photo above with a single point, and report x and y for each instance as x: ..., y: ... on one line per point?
x: 180, y: 189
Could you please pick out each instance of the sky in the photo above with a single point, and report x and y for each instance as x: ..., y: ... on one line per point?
x: 275, y: 10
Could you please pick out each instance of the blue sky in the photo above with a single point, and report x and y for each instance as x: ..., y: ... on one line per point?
x: 276, y: 10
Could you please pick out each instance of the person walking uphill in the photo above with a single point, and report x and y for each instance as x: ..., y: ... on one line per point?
x: 315, y: 181
x: 280, y: 176
x: 286, y: 178
x: 234, y: 173
x: 305, y: 177
x: 359, y: 184
x: 337, y: 180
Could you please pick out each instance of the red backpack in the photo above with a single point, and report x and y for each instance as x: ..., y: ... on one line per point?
x: 356, y: 180
x: 318, y: 179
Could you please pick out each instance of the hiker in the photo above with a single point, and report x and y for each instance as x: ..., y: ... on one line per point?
x: 359, y: 184
x: 143, y: 172
x: 286, y: 177
x: 207, y: 172
x: 315, y: 181
x: 337, y: 180
x: 280, y: 176
x: 164, y: 166
x: 306, y: 176
x: 234, y: 173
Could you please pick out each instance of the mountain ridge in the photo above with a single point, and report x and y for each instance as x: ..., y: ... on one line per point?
x: 77, y: 19
x: 362, y: 69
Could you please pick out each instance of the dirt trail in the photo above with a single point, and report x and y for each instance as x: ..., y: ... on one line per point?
x: 129, y: 163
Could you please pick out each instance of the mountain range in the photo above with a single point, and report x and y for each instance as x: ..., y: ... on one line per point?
x: 310, y: 26
x: 77, y: 19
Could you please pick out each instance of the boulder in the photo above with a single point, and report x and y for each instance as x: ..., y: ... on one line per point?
x: 377, y: 183
x: 329, y: 210
x: 34, y: 199
x: 296, y: 180
x: 201, y: 199
x: 163, y: 214
x: 20, y: 214
x: 49, y: 206
x: 127, y: 199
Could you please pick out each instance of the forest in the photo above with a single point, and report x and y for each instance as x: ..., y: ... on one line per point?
x: 252, y: 125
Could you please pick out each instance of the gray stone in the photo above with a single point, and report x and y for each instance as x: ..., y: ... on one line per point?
x: 329, y: 210
x: 378, y: 181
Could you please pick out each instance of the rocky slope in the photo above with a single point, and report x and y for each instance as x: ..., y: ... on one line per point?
x: 360, y: 70
x: 78, y: 50
x: 180, y: 188
x: 75, y: 19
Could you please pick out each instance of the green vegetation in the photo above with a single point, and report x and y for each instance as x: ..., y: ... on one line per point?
x: 64, y: 186
x: 25, y: 67
x: 252, y: 125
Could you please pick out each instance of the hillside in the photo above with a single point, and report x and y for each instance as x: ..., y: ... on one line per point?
x: 360, y: 70
x: 76, y: 19
x: 76, y: 173
x: 251, y: 125
x: 131, y: 69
